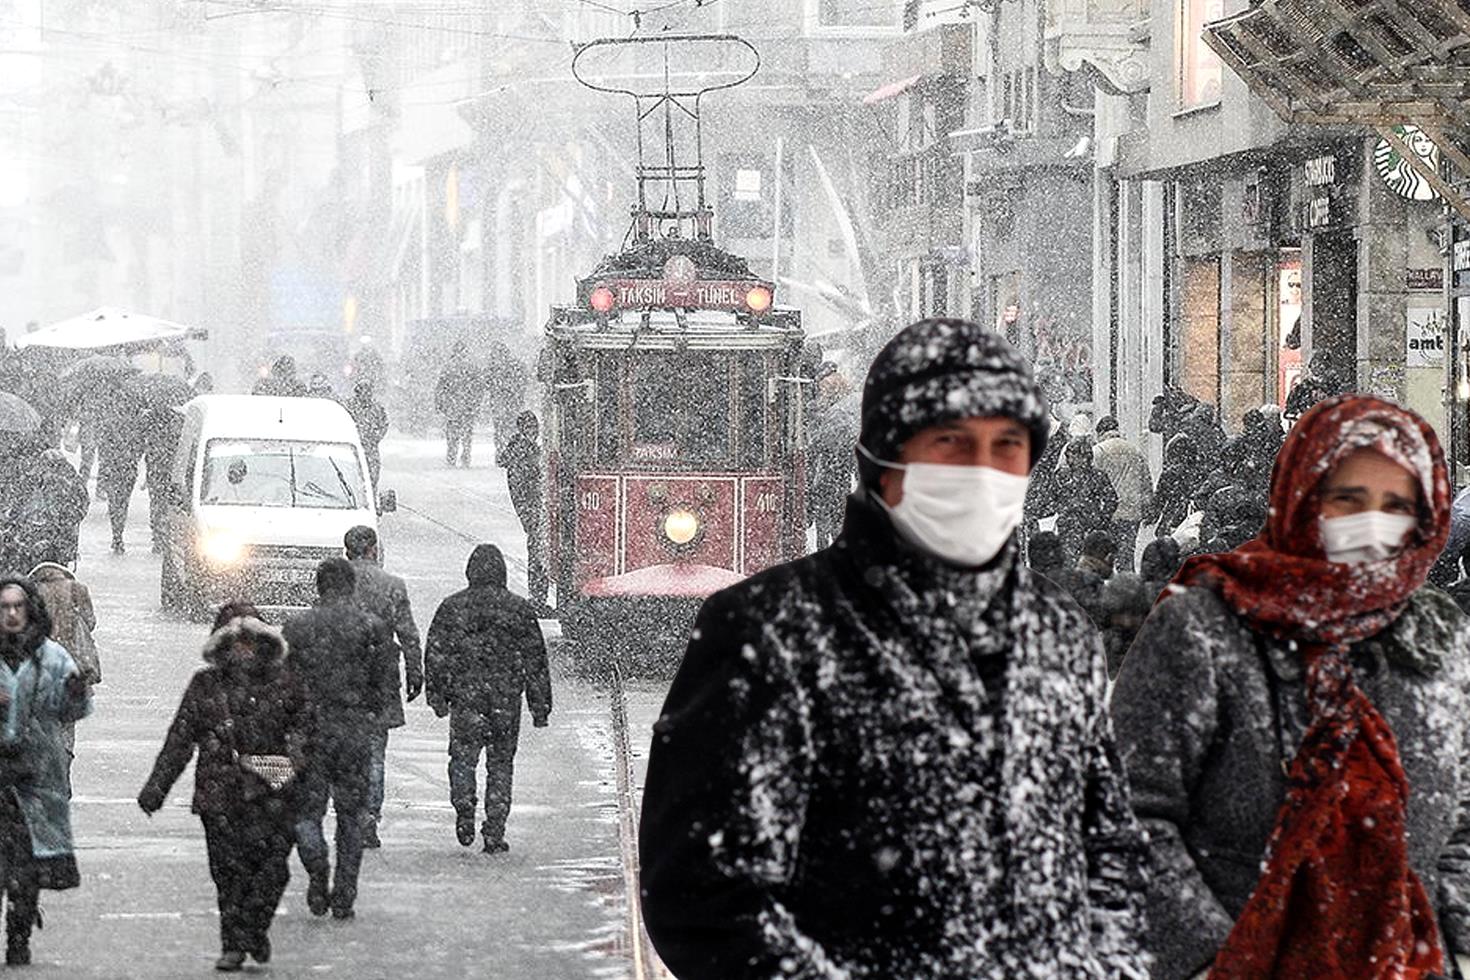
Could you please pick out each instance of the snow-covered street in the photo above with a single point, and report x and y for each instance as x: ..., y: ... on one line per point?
x: 552, y: 908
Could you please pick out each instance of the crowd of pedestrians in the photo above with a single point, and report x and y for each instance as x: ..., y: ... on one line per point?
x: 289, y: 722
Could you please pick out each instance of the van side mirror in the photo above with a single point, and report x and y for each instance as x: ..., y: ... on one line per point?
x: 387, y: 502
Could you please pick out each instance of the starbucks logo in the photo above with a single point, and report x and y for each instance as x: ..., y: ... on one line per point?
x: 1401, y: 178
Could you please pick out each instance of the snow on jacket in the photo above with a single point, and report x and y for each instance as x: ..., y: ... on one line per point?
x: 1127, y: 470
x: 225, y: 709
x: 485, y: 648
x: 873, y: 766
x: 386, y: 597
x: 345, y: 657
x: 73, y: 617
x: 1207, y: 711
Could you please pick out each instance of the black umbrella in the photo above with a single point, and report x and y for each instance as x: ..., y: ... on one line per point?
x: 94, y: 377
x: 17, y: 416
x: 98, y: 367
x: 159, y: 390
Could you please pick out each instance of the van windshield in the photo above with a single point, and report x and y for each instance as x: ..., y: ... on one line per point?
x: 282, y: 473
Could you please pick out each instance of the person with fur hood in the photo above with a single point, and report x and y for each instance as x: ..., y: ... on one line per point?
x: 244, y: 705
x: 892, y: 760
x: 1296, y: 724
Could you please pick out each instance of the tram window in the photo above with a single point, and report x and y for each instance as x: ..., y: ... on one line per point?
x: 609, y: 431
x: 658, y: 395
x: 681, y: 408
x: 753, y: 411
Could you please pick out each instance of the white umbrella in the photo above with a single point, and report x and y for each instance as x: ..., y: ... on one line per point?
x: 107, y: 326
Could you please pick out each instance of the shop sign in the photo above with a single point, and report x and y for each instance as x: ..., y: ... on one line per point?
x: 1321, y: 171
x: 1319, y: 212
x: 1424, y: 280
x: 1395, y: 170
x: 1461, y: 257
x: 1425, y: 338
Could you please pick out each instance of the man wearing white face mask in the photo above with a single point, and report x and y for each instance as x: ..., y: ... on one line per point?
x: 893, y: 758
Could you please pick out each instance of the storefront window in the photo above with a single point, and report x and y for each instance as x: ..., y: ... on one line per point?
x: 1289, y: 308
x: 1200, y: 70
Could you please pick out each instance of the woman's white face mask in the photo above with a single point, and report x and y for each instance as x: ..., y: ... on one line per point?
x: 961, y: 514
x: 1372, y: 535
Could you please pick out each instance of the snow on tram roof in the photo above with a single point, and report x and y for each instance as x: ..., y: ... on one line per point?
x: 699, y: 329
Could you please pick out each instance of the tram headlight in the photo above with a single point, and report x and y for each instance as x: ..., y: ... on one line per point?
x: 758, y: 299
x: 221, y: 548
x: 681, y: 526
x: 601, y: 299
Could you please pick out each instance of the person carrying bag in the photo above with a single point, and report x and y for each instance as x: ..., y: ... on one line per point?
x: 248, y: 715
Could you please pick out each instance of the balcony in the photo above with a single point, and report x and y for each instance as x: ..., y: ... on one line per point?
x: 1111, y: 36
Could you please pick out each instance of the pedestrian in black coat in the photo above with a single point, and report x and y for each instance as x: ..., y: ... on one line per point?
x: 1174, y: 495
x: 120, y: 447
x: 521, y: 459
x: 46, y: 503
x: 163, y: 427
x: 282, y: 381
x: 371, y: 419
x: 892, y: 759
x: 342, y: 652
x: 1086, y: 499
x: 484, y: 654
x: 385, y: 596
x: 458, y: 396
x: 243, y: 701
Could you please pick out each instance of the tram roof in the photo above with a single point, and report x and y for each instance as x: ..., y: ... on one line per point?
x: 700, y: 330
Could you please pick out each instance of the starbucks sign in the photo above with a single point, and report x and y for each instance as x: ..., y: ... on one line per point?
x: 1396, y: 172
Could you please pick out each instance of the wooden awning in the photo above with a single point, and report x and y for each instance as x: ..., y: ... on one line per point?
x: 1379, y: 63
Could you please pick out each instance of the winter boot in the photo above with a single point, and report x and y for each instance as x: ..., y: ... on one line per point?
x: 496, y: 846
x: 262, y: 951
x: 319, y: 890
x: 464, y: 829
x: 370, y: 841
x: 230, y: 961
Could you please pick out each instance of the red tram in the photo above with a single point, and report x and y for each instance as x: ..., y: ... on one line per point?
x: 675, y: 432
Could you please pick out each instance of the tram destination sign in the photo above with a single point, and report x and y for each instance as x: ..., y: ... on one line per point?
x: 712, y: 294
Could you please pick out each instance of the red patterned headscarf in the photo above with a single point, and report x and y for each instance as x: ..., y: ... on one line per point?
x: 1337, y: 897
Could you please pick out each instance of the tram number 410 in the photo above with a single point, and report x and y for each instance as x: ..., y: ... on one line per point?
x: 767, y: 503
x: 590, y: 500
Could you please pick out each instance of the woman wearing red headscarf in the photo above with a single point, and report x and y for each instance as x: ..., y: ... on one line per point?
x: 1294, y: 719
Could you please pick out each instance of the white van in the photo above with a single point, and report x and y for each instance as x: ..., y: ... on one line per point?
x: 263, y: 489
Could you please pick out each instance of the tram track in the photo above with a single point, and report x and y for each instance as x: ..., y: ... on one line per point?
x: 645, y: 962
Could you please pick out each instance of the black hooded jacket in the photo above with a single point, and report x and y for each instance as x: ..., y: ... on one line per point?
x: 485, y: 647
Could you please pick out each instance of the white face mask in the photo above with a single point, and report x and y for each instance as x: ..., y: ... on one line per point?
x: 961, y: 514
x: 1369, y: 536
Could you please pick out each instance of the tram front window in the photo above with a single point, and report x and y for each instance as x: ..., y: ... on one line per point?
x: 682, y: 408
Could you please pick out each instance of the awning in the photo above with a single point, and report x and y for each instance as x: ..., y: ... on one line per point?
x: 1372, y: 62
x: 890, y: 90
x: 1388, y: 64
x: 106, y: 327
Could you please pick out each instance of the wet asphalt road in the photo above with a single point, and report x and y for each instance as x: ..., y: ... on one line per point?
x: 552, y: 908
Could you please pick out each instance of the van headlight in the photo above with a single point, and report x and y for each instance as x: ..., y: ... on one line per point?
x: 221, y: 548
x: 681, y: 526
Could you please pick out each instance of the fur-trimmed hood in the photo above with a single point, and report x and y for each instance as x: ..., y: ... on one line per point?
x: 268, y: 642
